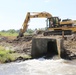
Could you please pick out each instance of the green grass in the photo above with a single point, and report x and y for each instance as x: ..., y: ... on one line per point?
x: 6, y: 55
x: 10, y: 56
x: 8, y: 34
x: 12, y: 34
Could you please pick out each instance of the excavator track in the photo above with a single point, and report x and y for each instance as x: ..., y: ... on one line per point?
x: 59, y: 32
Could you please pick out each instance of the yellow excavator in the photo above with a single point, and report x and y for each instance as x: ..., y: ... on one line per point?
x: 54, y: 24
x: 56, y: 27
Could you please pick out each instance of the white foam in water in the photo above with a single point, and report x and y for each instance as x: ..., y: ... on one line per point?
x: 50, y: 67
x: 41, y: 66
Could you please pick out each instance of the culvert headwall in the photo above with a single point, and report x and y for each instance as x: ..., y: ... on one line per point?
x: 42, y: 46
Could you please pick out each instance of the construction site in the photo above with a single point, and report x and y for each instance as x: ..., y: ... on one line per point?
x: 58, y: 39
x: 37, y: 37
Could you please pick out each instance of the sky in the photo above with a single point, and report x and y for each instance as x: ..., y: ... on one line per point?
x: 13, y: 12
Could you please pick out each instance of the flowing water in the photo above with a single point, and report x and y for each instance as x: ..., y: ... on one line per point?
x: 39, y: 67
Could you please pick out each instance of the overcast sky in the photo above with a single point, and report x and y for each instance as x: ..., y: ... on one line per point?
x: 13, y: 12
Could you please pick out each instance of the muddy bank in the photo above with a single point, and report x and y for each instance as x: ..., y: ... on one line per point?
x: 21, y: 48
x: 19, y: 45
x: 24, y: 44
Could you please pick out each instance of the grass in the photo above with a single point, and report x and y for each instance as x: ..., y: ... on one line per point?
x: 8, y: 34
x: 10, y: 56
x: 6, y: 55
x: 12, y: 34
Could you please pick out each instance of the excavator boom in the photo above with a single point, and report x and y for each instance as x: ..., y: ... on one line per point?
x: 32, y: 15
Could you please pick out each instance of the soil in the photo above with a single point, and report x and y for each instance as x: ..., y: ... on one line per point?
x: 24, y: 44
x: 19, y: 45
x: 70, y: 46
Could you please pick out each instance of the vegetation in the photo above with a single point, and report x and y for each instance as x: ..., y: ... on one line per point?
x: 13, y: 32
x: 9, y: 56
x: 10, y: 32
x: 5, y: 55
x: 30, y: 31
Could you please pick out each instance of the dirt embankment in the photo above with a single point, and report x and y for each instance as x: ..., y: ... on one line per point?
x: 23, y: 45
x: 20, y: 45
x: 70, y: 46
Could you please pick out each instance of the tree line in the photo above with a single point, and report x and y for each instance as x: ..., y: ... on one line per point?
x: 17, y: 31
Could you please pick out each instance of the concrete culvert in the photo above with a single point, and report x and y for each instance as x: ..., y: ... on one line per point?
x: 46, y: 46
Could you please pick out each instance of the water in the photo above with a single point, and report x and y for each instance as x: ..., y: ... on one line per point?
x: 39, y: 67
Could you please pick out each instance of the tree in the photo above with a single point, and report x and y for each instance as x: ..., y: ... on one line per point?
x: 3, y: 31
x: 30, y: 31
x: 11, y: 31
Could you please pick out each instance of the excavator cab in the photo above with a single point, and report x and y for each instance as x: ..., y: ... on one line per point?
x: 53, y: 22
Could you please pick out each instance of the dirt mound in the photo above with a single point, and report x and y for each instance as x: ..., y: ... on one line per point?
x: 70, y: 46
x: 25, y: 38
x: 20, y: 45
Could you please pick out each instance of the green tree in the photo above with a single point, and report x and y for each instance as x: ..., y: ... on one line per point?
x: 11, y: 31
x: 30, y: 31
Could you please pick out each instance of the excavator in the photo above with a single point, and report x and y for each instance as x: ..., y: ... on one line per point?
x: 54, y: 25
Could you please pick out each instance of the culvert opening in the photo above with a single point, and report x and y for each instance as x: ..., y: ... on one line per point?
x: 52, y: 48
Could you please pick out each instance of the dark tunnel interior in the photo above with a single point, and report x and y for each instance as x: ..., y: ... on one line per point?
x: 52, y: 48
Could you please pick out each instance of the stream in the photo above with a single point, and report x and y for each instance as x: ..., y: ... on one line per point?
x: 39, y: 66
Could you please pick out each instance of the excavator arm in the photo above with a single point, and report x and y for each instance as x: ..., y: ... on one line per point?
x: 32, y: 15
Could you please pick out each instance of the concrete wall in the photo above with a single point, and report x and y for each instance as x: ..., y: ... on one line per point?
x: 40, y: 46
